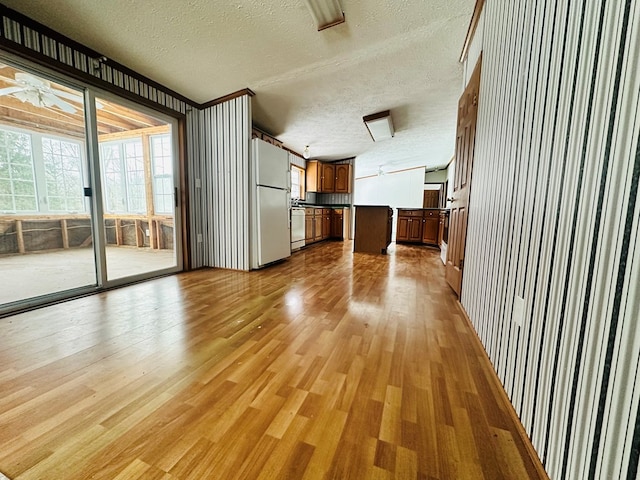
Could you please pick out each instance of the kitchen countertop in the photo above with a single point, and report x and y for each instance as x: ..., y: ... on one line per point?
x: 310, y: 205
x: 420, y: 208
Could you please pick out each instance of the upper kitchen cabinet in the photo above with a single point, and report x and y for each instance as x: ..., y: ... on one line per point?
x: 328, y: 177
x: 343, y: 178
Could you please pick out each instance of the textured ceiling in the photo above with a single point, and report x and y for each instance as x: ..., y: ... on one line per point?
x: 311, y: 87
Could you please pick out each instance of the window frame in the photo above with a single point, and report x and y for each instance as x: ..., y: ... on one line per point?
x: 38, y: 167
x: 301, y: 184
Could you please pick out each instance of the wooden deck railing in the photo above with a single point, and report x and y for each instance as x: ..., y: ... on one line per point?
x: 31, y: 233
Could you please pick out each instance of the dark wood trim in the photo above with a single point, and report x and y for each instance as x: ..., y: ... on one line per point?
x: 450, y: 161
x: 58, y: 37
x: 533, y: 455
x: 475, y: 18
x: 293, y: 152
x: 333, y: 24
x: 226, y: 98
x: 375, y: 116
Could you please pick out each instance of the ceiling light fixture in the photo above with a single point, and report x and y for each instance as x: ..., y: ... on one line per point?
x: 326, y: 13
x: 306, y: 154
x: 379, y: 125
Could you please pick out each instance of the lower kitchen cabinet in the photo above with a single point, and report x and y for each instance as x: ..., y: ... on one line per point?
x: 323, y: 223
x: 409, y: 227
x: 337, y: 224
x: 430, y: 227
x: 326, y: 223
x: 418, y: 226
x: 309, y: 225
x: 317, y: 228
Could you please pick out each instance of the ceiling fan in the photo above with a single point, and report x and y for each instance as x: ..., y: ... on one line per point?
x: 38, y: 92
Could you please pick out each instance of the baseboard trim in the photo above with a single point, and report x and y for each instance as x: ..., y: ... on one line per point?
x: 533, y: 455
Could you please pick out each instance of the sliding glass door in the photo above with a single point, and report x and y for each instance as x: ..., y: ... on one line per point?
x: 137, y: 163
x: 87, y: 190
x: 45, y: 219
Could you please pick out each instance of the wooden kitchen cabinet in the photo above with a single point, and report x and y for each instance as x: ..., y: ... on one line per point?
x: 418, y: 226
x: 343, y: 178
x: 317, y: 225
x: 409, y: 228
x: 328, y: 177
x: 337, y: 227
x: 402, y: 229
x: 322, y: 223
x: 415, y: 229
x: 326, y: 223
x: 430, y: 227
x: 308, y: 225
x: 316, y: 173
x: 313, y: 176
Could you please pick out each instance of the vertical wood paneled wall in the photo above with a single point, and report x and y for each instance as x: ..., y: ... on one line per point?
x: 554, y: 219
x: 219, y: 149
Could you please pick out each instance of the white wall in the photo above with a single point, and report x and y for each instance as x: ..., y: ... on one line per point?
x: 400, y: 189
x: 451, y: 171
x: 439, y: 176
x: 475, y: 49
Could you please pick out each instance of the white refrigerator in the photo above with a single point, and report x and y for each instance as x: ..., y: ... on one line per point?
x: 270, y: 236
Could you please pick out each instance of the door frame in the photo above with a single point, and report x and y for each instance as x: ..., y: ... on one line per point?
x: 459, y: 211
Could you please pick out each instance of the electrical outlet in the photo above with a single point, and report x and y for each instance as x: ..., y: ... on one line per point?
x: 518, y: 311
x: 199, y: 238
x: 146, y: 232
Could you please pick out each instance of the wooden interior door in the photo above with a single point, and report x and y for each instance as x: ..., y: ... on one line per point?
x: 465, y: 143
x: 431, y: 199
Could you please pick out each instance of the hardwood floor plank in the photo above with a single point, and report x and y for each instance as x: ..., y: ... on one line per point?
x: 329, y: 365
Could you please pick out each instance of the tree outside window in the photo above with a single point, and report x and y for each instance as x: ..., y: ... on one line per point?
x: 162, y: 163
x: 123, y: 174
x: 33, y: 165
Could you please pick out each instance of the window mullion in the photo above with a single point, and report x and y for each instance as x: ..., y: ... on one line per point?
x: 37, y: 157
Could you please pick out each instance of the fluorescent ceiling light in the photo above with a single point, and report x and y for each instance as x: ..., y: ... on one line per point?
x: 326, y: 13
x: 379, y: 125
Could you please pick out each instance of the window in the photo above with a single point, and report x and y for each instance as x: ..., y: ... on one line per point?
x: 63, y: 174
x: 297, y: 182
x: 123, y: 172
x: 162, y: 165
x: 32, y: 163
x: 17, y: 178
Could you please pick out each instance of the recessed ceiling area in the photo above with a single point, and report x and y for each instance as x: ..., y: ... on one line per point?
x: 312, y: 88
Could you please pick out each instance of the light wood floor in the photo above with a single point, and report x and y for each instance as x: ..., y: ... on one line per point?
x: 331, y: 365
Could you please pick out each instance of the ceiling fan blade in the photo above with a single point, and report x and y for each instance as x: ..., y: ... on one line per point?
x: 10, y: 90
x: 74, y: 97
x: 51, y: 99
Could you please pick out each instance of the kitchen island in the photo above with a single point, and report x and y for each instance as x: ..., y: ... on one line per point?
x: 373, y: 228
